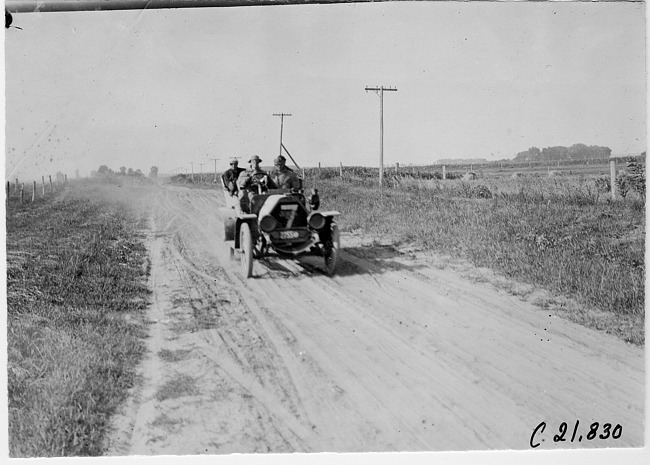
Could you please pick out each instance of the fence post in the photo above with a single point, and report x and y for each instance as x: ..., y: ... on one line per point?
x: 444, y: 172
x: 303, y: 173
x: 612, y: 174
x: 34, y: 192
x: 397, y: 167
x: 341, y: 169
x: 22, y: 193
x: 51, y: 186
x: 16, y: 184
x: 43, y: 179
x: 8, y: 192
x: 319, y: 169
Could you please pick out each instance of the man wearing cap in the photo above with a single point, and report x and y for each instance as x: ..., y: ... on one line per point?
x: 283, y: 176
x: 230, y: 177
x: 250, y: 181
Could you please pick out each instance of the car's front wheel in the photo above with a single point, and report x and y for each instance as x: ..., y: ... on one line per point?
x: 331, y: 249
x: 246, y: 250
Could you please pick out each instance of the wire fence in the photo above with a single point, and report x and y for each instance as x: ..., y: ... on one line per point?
x: 28, y: 192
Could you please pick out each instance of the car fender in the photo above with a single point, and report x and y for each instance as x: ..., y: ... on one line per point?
x: 329, y: 214
x: 249, y: 218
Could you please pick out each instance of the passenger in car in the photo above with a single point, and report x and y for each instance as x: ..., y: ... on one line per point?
x: 230, y: 177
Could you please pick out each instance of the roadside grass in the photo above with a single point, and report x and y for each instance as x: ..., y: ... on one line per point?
x: 76, y: 291
x: 558, y: 235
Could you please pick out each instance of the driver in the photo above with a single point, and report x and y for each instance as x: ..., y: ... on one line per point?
x: 252, y: 181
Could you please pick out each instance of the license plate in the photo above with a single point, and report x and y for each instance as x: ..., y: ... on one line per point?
x: 288, y: 234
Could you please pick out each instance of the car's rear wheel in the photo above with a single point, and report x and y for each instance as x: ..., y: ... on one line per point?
x: 331, y: 250
x: 246, y: 250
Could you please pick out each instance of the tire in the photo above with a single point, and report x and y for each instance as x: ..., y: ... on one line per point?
x: 246, y: 250
x: 332, y: 249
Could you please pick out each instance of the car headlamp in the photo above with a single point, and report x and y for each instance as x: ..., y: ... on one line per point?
x: 316, y: 221
x: 268, y: 223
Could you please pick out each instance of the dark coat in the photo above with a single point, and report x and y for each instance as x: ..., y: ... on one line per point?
x: 230, y: 179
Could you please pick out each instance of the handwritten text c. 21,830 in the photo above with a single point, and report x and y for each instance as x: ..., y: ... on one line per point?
x: 606, y: 431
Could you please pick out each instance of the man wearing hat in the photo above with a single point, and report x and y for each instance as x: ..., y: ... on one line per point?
x: 230, y: 177
x: 283, y: 176
x: 249, y: 181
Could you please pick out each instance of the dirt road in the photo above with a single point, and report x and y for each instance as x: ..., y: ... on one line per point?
x: 391, y: 354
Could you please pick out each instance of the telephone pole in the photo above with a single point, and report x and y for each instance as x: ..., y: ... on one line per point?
x: 201, y: 178
x: 281, y: 115
x: 192, y: 163
x: 380, y: 91
x: 215, y: 167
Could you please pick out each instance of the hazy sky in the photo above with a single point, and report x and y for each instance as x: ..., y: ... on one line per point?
x: 170, y: 87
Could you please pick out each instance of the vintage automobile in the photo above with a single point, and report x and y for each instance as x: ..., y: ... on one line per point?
x: 283, y: 221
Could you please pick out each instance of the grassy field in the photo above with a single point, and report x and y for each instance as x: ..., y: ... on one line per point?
x: 493, y: 169
x: 559, y: 233
x: 76, y: 290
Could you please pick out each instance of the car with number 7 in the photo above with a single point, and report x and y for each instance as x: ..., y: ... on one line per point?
x: 283, y: 221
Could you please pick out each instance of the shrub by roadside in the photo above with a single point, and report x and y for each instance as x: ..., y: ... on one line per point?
x: 76, y: 290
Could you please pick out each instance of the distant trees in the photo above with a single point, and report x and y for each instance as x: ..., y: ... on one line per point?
x: 102, y: 171
x: 105, y: 171
x: 531, y: 154
x: 575, y: 152
x: 534, y: 152
x: 554, y: 153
